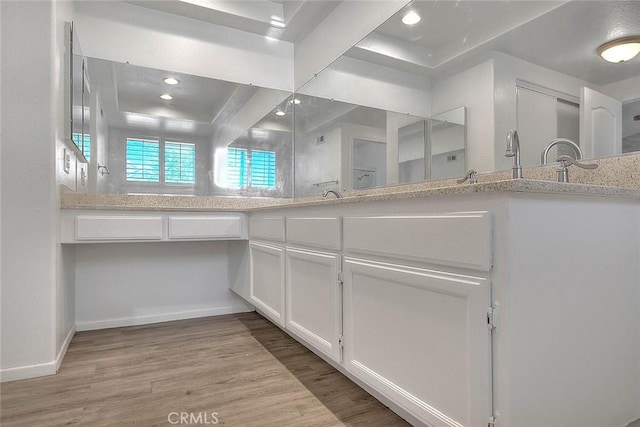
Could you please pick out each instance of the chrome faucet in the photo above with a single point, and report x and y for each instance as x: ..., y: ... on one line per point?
x: 513, y: 150
x: 325, y: 193
x: 471, y: 176
x: 569, y: 143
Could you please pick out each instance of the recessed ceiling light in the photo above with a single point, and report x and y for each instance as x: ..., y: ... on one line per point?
x: 279, y: 112
x: 171, y: 81
x: 411, y: 18
x: 620, y: 50
x: 166, y: 97
x: 295, y: 101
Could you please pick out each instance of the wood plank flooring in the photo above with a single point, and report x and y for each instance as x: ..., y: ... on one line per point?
x: 241, y: 367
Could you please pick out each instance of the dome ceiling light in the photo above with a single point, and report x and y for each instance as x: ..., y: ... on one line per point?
x: 620, y: 50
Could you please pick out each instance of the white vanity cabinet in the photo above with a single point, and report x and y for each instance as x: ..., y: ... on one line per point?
x: 313, y: 286
x: 267, y: 262
x: 420, y: 337
x: 503, y: 309
x: 416, y: 300
x: 267, y: 280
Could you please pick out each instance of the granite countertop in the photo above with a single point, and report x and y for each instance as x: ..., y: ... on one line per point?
x: 159, y: 202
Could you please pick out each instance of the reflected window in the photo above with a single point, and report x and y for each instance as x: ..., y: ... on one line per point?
x: 84, y: 144
x: 263, y: 169
x: 180, y: 162
x: 143, y: 160
x: 237, y: 167
x: 250, y: 168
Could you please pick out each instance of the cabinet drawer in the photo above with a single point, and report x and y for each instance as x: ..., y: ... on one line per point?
x: 205, y: 227
x: 118, y: 228
x: 267, y: 228
x: 320, y: 232
x: 460, y: 239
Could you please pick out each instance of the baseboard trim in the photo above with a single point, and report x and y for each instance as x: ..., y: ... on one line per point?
x: 167, y: 317
x: 65, y: 347
x: 25, y: 372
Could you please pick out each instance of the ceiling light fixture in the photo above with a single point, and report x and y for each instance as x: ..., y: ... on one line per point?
x: 620, y: 50
x: 295, y: 101
x: 171, y: 81
x: 279, y: 112
x: 411, y: 18
x: 166, y: 97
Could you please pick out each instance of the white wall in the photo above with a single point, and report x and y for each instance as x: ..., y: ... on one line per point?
x: 35, y: 307
x: 135, y: 283
x: 474, y: 89
x: 345, y: 26
x: 122, y: 32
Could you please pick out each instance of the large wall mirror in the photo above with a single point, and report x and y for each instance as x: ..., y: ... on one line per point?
x: 158, y: 131
x: 437, y: 95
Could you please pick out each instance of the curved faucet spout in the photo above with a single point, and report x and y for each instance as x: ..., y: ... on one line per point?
x: 569, y: 143
x: 513, y: 150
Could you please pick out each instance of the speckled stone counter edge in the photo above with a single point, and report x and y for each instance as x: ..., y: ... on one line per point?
x: 615, y: 177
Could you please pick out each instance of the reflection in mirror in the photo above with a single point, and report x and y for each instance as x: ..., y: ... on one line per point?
x: 448, y: 144
x: 165, y: 132
x: 341, y: 146
x: 433, y: 148
x: 80, y: 96
x: 528, y: 65
x: 412, y: 152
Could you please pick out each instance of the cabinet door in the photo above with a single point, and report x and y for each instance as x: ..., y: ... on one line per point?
x: 314, y: 299
x: 267, y: 280
x: 420, y: 337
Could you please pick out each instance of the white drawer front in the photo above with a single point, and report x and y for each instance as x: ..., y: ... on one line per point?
x: 461, y: 239
x: 118, y: 228
x: 267, y: 228
x: 205, y: 227
x: 321, y: 232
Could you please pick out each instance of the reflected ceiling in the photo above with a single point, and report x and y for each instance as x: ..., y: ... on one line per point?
x: 131, y: 98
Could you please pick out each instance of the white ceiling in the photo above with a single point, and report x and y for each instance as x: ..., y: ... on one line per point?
x: 253, y: 16
x: 558, y: 35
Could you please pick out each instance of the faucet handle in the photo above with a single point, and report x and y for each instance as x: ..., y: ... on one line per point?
x: 568, y: 161
x: 471, y: 176
x: 562, y: 173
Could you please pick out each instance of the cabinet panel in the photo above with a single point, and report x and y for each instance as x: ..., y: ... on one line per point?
x: 318, y: 232
x: 314, y: 299
x: 267, y: 280
x: 205, y: 227
x: 461, y: 239
x: 267, y: 228
x: 420, y: 337
x: 118, y: 228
